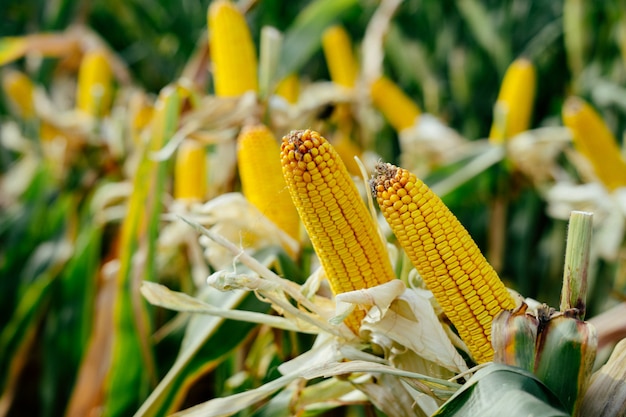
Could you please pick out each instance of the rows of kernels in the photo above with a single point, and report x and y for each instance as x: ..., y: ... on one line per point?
x: 233, y: 55
x: 464, y: 284
x: 262, y: 181
x: 343, y: 234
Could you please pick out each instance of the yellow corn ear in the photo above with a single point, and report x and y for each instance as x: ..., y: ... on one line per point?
x: 140, y: 113
x: 95, y: 76
x: 394, y: 104
x: 513, y: 109
x: 337, y: 48
x: 190, y: 171
x: 19, y: 90
x: 289, y: 88
x: 232, y: 52
x: 262, y: 181
x: 595, y: 141
x: 344, y: 235
x: 466, y: 287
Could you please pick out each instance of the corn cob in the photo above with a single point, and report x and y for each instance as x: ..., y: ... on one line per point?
x: 595, y: 141
x: 232, y: 51
x: 262, y: 182
x: 341, y: 63
x: 94, y: 93
x: 19, y: 90
x: 289, y: 88
x: 190, y: 171
x: 344, y: 235
x: 465, y: 285
x: 514, y: 106
x: 394, y: 104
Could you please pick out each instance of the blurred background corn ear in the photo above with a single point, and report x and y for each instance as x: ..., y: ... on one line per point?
x: 594, y: 140
x: 233, y: 55
x: 400, y: 111
x: 343, y: 233
x: 289, y: 88
x: 342, y: 65
x: 94, y: 93
x: 19, y: 91
x: 514, y: 106
x: 190, y: 172
x: 262, y: 181
x: 466, y: 287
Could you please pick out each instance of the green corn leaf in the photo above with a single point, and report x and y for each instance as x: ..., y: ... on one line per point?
x: 19, y: 335
x: 11, y: 48
x: 501, y: 390
x: 132, y: 370
x: 70, y: 320
x: 566, y: 350
x: 513, y: 337
x: 207, y: 341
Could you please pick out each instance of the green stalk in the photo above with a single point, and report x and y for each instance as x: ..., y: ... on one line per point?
x: 574, y: 292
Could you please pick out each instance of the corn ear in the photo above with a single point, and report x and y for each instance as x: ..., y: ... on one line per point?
x: 19, y: 91
x: 95, y: 77
x: 513, y: 109
x: 289, y: 88
x: 344, y: 235
x: 262, y: 181
x: 337, y: 48
x: 595, y: 141
x: 466, y: 287
x: 399, y: 110
x: 190, y: 182
x: 233, y: 53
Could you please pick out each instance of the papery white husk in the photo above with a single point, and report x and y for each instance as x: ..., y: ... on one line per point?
x: 609, y: 212
x: 232, y: 216
x: 428, y: 142
x: 535, y: 152
x: 402, y: 318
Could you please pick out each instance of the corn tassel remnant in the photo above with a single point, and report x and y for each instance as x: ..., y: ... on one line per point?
x: 514, y: 106
x: 190, y: 172
x: 341, y: 63
x: 262, y: 181
x: 232, y: 51
x: 95, y: 92
x: 394, y: 104
x: 595, y: 141
x: 466, y: 287
x: 19, y: 90
x: 343, y: 233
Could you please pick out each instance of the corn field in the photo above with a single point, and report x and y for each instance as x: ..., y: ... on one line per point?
x: 264, y: 208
